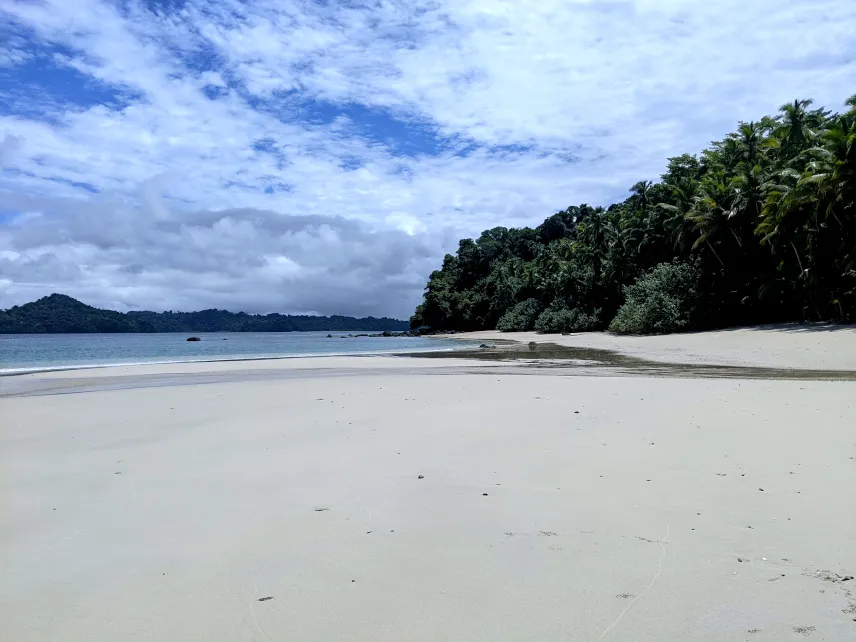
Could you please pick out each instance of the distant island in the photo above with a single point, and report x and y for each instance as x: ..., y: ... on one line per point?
x: 61, y: 314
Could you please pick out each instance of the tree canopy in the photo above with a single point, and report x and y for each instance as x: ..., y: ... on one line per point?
x: 760, y: 227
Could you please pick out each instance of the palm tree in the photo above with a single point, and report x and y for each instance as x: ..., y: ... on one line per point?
x: 678, y: 224
x: 641, y: 194
x: 795, y: 128
x: 712, y: 213
x: 592, y: 238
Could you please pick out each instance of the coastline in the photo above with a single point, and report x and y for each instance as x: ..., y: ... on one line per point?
x: 790, y: 346
x: 383, y: 497
x: 213, y: 358
x: 804, y: 346
x: 16, y: 372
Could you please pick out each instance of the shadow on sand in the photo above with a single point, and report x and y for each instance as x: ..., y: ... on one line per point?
x: 594, y: 361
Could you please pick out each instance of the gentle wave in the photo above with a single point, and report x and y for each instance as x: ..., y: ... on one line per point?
x: 10, y: 372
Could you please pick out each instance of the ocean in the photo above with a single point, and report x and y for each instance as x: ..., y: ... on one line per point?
x: 21, y: 353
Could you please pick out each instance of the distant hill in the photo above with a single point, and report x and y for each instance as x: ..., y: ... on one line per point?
x: 60, y: 314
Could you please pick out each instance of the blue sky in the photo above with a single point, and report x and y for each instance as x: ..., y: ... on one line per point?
x: 320, y: 156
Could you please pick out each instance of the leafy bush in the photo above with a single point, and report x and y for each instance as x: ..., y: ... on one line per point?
x: 558, y: 318
x: 662, y: 301
x: 521, y: 317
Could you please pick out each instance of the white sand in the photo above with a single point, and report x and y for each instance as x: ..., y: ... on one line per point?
x: 812, y: 346
x: 216, y: 505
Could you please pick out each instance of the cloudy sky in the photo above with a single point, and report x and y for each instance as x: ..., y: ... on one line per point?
x: 322, y: 155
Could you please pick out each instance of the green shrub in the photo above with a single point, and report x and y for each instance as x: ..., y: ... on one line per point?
x: 662, y: 301
x: 558, y: 318
x: 521, y: 317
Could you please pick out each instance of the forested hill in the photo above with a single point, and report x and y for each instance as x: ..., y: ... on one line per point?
x: 760, y: 227
x: 58, y: 313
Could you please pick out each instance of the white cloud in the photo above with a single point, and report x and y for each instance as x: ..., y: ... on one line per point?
x: 8, y: 147
x: 616, y: 85
x: 11, y: 57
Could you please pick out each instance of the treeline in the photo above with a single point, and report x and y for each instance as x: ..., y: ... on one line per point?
x: 760, y: 227
x: 58, y: 313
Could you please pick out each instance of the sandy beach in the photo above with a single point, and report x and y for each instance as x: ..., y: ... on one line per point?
x: 384, y: 498
x: 810, y: 346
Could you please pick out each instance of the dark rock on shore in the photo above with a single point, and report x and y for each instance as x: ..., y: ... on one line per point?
x: 194, y: 339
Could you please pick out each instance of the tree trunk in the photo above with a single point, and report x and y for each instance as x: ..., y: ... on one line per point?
x: 802, y: 270
x: 716, y: 255
x: 736, y: 238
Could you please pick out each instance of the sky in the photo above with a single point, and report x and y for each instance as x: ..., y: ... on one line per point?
x: 321, y: 156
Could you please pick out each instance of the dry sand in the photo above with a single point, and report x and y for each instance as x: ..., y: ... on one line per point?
x: 811, y: 346
x: 166, y: 503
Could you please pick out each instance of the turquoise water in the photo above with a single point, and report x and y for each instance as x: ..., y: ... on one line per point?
x: 36, y: 352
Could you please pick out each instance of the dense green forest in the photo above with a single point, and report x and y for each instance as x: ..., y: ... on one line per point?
x: 760, y: 227
x: 58, y: 313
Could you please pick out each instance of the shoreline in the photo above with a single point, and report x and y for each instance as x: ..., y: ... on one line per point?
x: 794, y: 346
x: 831, y: 352
x: 16, y: 372
x: 713, y: 348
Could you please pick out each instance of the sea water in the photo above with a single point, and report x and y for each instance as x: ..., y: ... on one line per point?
x: 38, y: 352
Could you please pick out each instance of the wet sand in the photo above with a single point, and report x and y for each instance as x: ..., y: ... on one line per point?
x: 425, y: 499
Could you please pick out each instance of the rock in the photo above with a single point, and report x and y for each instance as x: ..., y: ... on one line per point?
x: 484, y: 345
x: 421, y: 476
x: 484, y: 494
x: 329, y: 336
x: 194, y: 339
x: 532, y: 345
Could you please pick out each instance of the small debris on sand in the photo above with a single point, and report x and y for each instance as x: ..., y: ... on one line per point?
x: 265, y: 599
